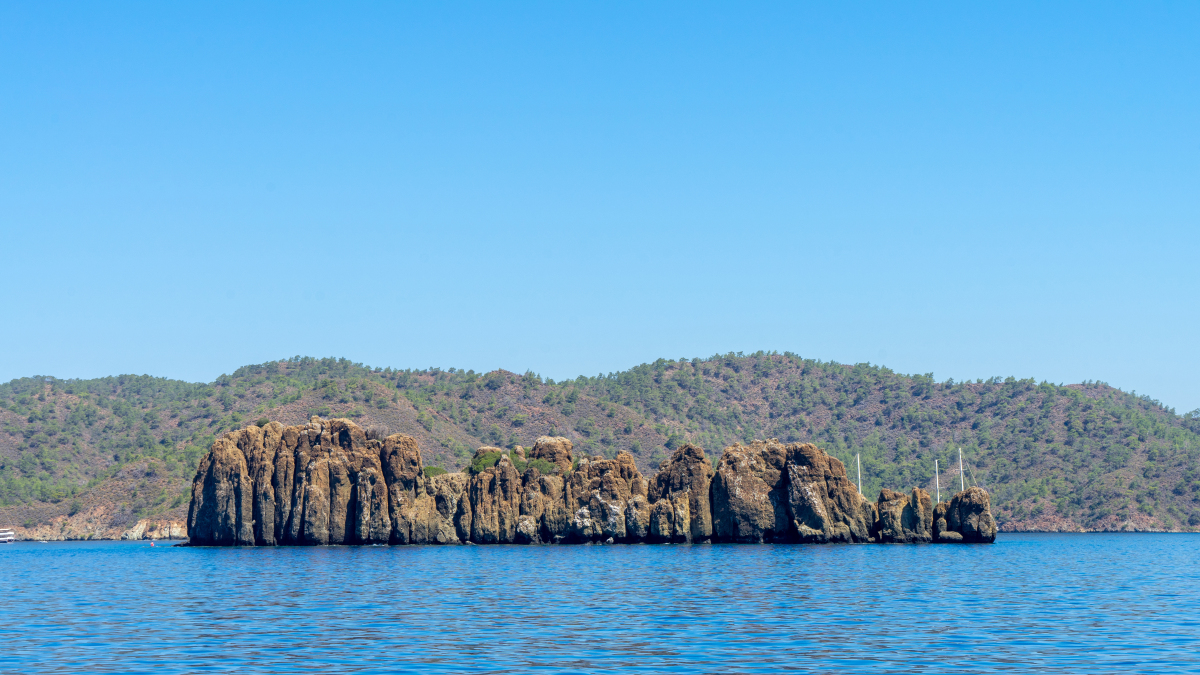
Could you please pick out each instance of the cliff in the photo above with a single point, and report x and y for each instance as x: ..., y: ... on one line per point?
x: 332, y: 482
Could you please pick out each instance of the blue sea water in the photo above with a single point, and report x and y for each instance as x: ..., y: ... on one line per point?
x: 1082, y: 603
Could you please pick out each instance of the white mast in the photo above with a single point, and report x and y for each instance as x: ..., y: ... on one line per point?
x: 858, y: 460
x: 962, y: 482
x: 937, y: 483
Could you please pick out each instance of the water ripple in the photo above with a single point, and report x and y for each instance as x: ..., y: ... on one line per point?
x: 1046, y: 603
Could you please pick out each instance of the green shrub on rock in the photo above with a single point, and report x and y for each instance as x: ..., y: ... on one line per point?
x: 485, y: 461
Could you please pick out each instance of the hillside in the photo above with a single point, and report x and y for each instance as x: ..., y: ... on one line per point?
x: 94, y: 456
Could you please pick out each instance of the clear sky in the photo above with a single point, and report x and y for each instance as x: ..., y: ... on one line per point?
x: 968, y: 189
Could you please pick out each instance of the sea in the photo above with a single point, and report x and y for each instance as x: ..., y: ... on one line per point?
x: 1030, y: 603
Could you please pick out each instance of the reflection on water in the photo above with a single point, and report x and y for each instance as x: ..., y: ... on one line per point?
x: 1048, y: 603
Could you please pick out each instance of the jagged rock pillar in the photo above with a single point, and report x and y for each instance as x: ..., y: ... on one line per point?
x: 681, y: 509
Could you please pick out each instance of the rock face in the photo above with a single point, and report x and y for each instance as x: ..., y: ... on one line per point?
x: 320, y: 483
x: 494, y: 500
x: 325, y: 482
x: 680, y: 493
x: 904, y: 518
x: 221, y: 512
x: 749, y: 494
x: 607, y: 500
x: 967, y: 518
x: 825, y: 505
x: 767, y: 491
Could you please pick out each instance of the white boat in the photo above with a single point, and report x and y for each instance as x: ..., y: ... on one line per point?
x: 7, y: 536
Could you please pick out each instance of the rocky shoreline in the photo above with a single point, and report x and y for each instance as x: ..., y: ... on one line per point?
x: 332, y: 482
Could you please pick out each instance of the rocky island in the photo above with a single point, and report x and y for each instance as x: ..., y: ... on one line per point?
x: 333, y: 482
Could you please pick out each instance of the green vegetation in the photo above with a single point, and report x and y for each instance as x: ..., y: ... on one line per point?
x: 431, y: 471
x: 485, y: 461
x: 543, y: 467
x: 1085, y: 455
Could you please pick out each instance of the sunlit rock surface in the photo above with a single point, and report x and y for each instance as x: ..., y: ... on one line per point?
x: 331, y: 482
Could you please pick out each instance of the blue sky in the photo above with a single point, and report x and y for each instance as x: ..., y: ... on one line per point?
x: 573, y: 188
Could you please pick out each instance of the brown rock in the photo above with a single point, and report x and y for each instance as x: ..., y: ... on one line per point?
x: 941, y: 529
x: 325, y: 482
x: 528, y: 530
x: 670, y: 520
x: 282, y: 481
x: 543, y: 500
x: 553, y: 449
x: 331, y: 509
x: 939, y: 520
x: 684, y: 479
x: 314, y: 498
x: 321, y: 483
x: 970, y: 515
x: 346, y: 443
x: 405, y: 477
x: 259, y: 447
x: 495, y: 502
x: 749, y: 494
x: 599, y: 493
x: 824, y: 504
x: 637, y: 518
x: 922, y: 523
x: 372, y: 511
x: 904, y: 518
x: 437, y: 515
x: 308, y: 438
x: 221, y: 512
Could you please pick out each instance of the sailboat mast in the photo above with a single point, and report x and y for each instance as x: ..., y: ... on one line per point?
x: 858, y: 461
x: 962, y: 482
x: 937, y: 482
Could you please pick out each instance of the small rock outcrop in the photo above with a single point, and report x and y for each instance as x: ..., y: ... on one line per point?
x: 148, y: 529
x: 553, y: 449
x: 967, y: 518
x: 904, y: 518
x: 326, y: 482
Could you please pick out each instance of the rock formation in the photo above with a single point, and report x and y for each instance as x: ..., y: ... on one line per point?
x: 967, y: 517
x: 682, y: 508
x: 606, y: 499
x: 767, y: 491
x: 749, y: 494
x: 326, y: 482
x: 904, y: 518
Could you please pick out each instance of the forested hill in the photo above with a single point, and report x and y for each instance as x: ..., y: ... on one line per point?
x: 112, y: 450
